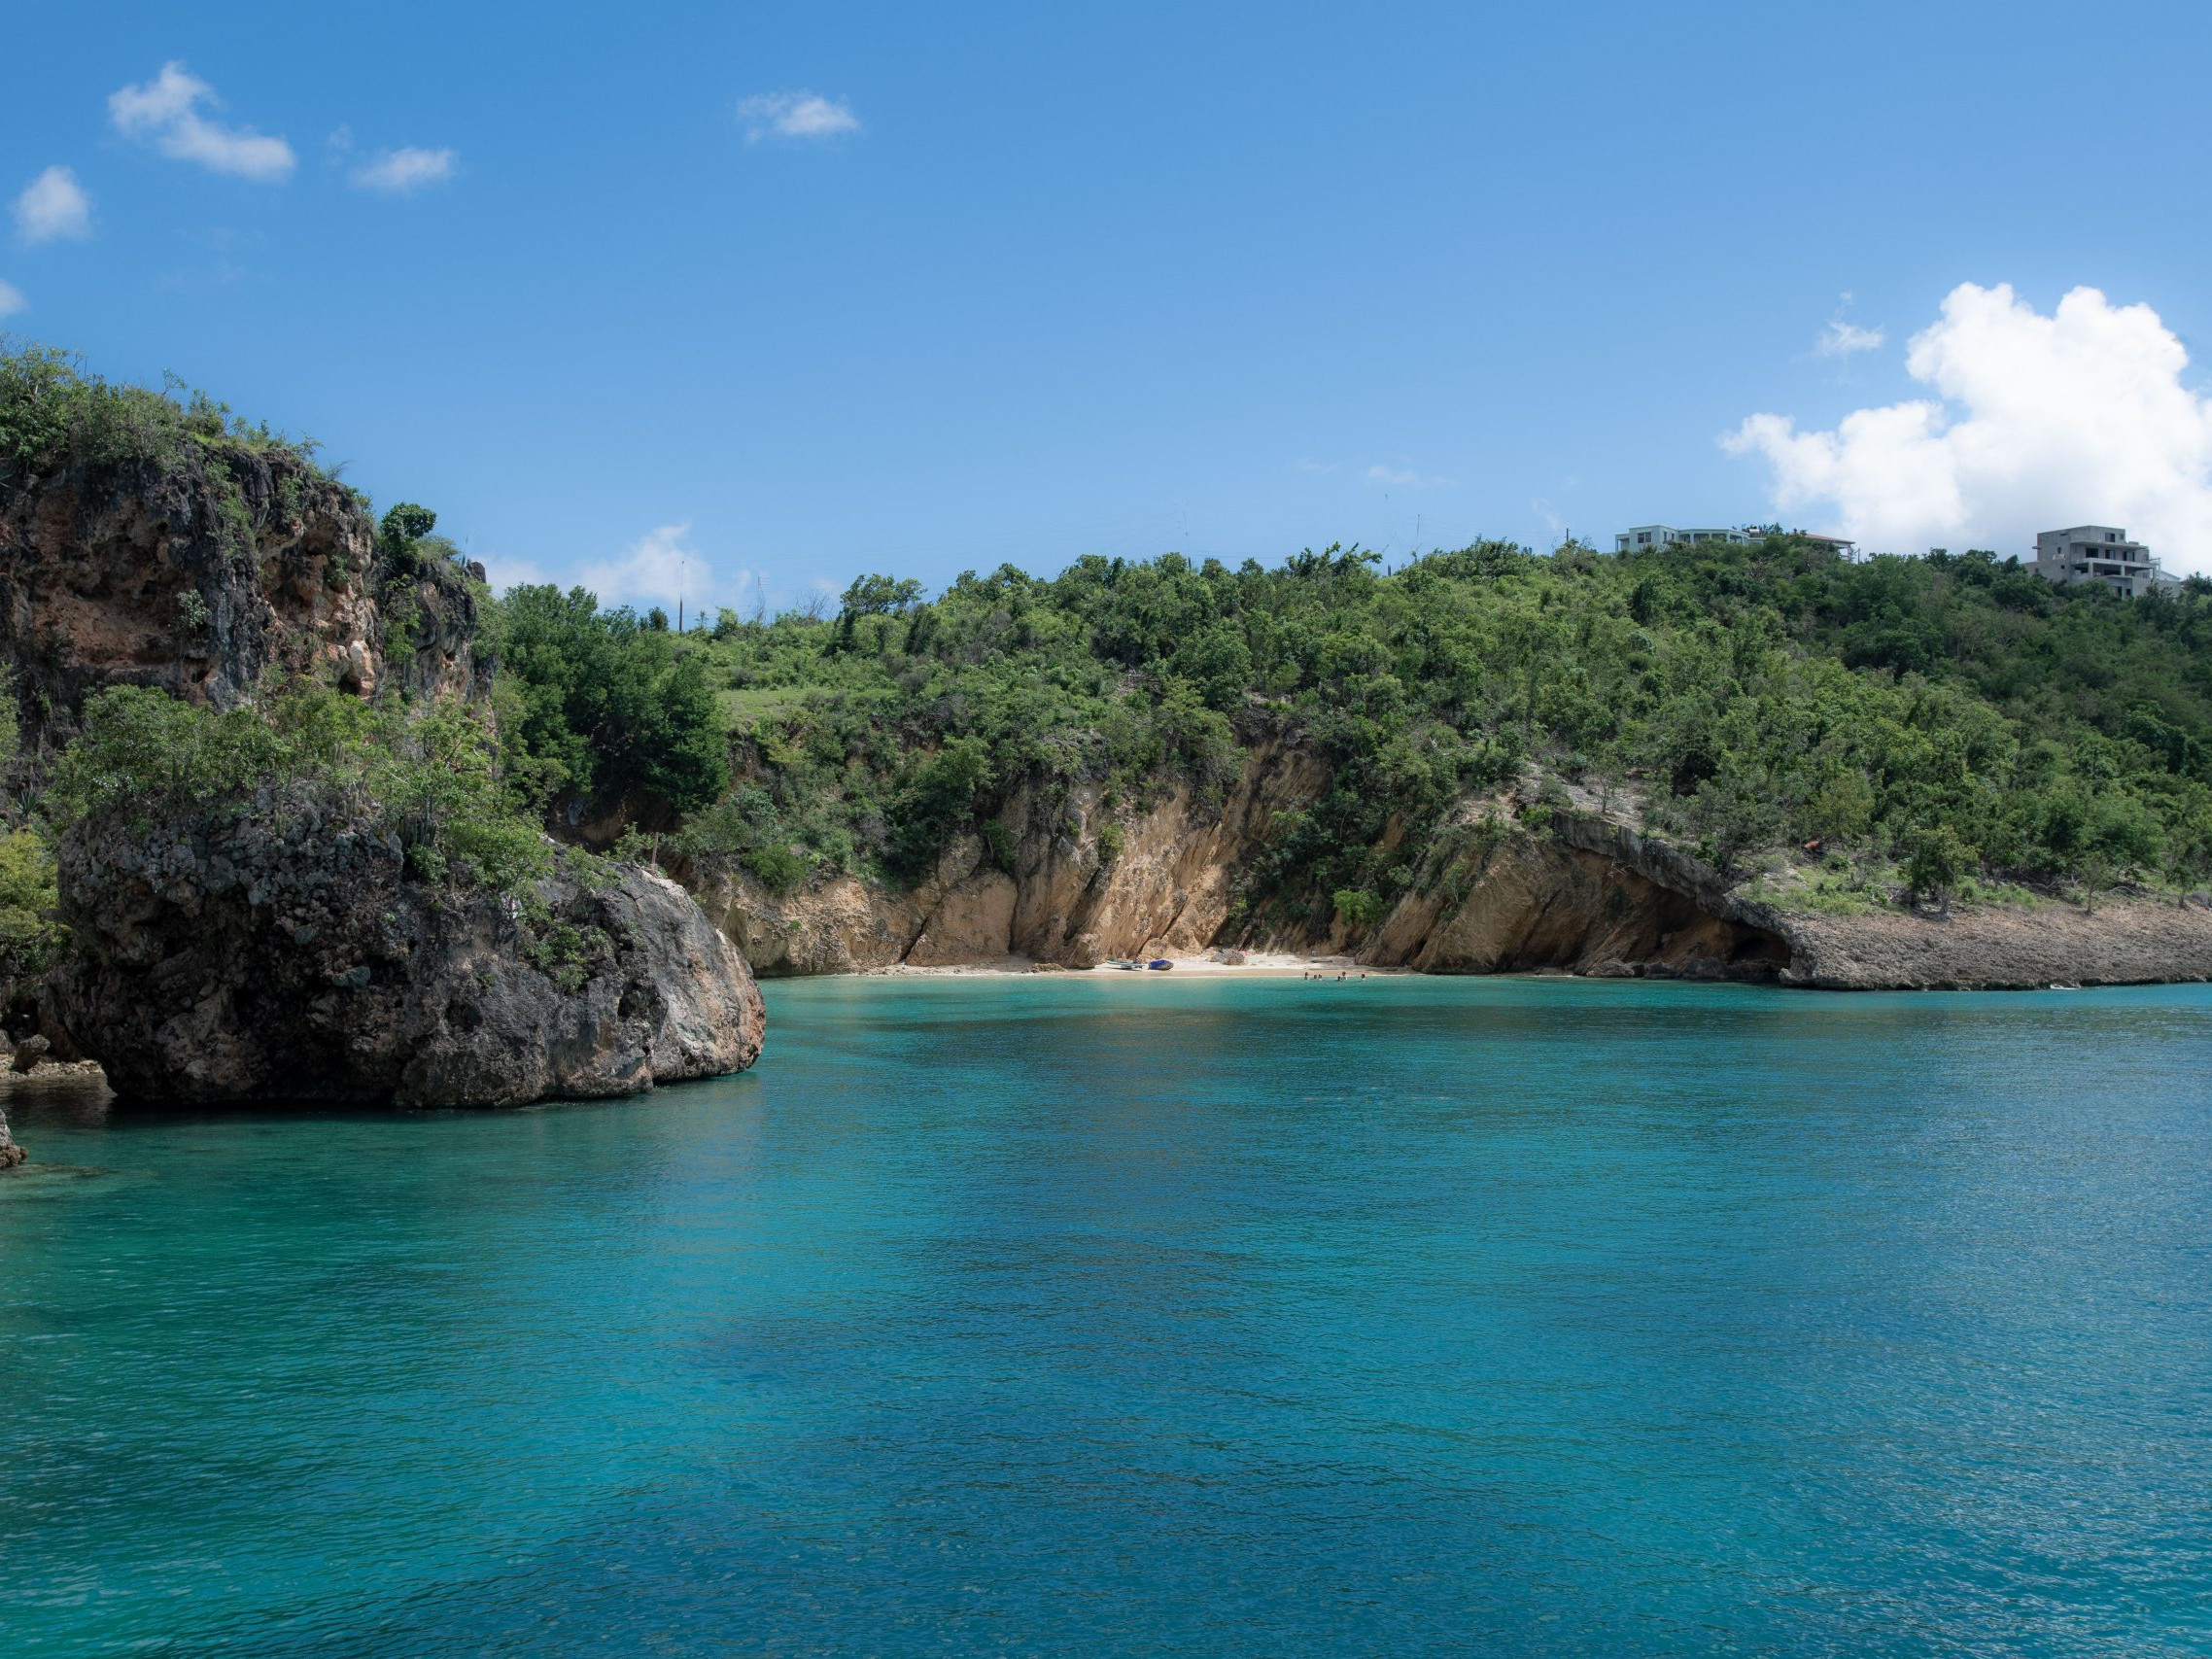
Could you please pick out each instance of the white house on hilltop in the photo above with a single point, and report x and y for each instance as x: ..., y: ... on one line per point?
x: 1645, y: 536
x: 2099, y: 553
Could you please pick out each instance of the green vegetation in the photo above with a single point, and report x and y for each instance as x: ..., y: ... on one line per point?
x: 30, y: 892
x: 49, y: 404
x: 30, y: 938
x: 433, y: 781
x: 1935, y: 725
x: 598, y: 704
x: 1844, y: 733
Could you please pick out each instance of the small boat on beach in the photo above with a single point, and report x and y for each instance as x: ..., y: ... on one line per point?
x: 1159, y: 962
x: 1121, y: 962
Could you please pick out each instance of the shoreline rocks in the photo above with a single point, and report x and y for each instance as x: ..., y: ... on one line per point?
x: 2125, y: 941
x: 1584, y: 894
x: 285, y: 955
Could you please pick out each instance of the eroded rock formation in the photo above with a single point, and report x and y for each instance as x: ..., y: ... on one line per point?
x: 284, y: 955
x: 1073, y: 895
x: 1575, y: 890
x: 1584, y: 895
x: 201, y: 576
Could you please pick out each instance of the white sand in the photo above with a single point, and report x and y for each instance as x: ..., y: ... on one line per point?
x: 1258, y: 964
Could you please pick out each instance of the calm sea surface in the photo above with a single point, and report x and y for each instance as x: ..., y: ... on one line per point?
x: 1051, y: 1316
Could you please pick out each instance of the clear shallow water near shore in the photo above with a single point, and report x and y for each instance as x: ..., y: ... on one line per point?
x: 1244, y: 1317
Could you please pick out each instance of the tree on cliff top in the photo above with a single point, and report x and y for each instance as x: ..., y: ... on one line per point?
x: 604, y: 705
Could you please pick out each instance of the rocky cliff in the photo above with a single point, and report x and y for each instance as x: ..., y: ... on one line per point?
x: 1084, y: 883
x: 1503, y: 890
x: 285, y: 955
x: 1580, y: 893
x: 202, y: 573
x: 1583, y: 894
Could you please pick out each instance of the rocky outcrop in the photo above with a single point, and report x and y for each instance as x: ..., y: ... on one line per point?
x: 1581, y: 894
x: 1571, y: 889
x: 284, y: 955
x: 11, y: 1154
x: 204, y: 572
x: 1086, y: 882
x: 1585, y: 895
x: 2126, y: 941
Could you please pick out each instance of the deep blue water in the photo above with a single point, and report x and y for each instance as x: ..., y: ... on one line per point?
x: 1057, y: 1316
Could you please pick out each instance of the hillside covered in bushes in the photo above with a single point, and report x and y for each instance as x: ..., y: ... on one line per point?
x: 1929, y: 723
x: 1855, y: 731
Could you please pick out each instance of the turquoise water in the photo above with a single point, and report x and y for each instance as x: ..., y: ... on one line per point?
x: 1051, y: 1316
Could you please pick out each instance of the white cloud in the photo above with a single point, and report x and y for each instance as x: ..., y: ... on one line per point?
x: 2039, y: 423
x: 795, y: 115
x: 651, y: 571
x: 1841, y: 339
x: 503, y: 572
x: 401, y: 172
x: 1405, y: 477
x: 1319, y: 468
x: 166, y: 111
x: 54, y: 205
x: 11, y: 300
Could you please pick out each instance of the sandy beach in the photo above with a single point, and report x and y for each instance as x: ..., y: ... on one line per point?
x: 1257, y: 964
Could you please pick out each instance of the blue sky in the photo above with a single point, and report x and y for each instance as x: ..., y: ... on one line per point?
x: 1030, y: 282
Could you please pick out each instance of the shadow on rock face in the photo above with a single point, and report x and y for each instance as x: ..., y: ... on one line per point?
x: 284, y: 955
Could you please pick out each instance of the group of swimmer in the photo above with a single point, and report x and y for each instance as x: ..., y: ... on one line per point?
x: 1341, y: 977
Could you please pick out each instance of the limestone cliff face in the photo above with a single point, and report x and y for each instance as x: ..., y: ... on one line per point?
x: 1578, y: 892
x: 1585, y: 895
x: 201, y: 576
x: 1072, y: 896
x: 1582, y: 895
x: 282, y: 955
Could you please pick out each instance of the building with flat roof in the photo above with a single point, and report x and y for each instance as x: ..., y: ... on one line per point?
x: 1645, y: 536
x: 2099, y: 553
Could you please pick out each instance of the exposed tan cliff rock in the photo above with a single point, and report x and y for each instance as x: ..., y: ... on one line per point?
x: 843, y: 926
x: 1583, y: 892
x: 973, y: 922
x: 1584, y: 895
x: 1068, y: 899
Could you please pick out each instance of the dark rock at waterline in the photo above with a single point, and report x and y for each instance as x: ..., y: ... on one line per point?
x: 285, y: 955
